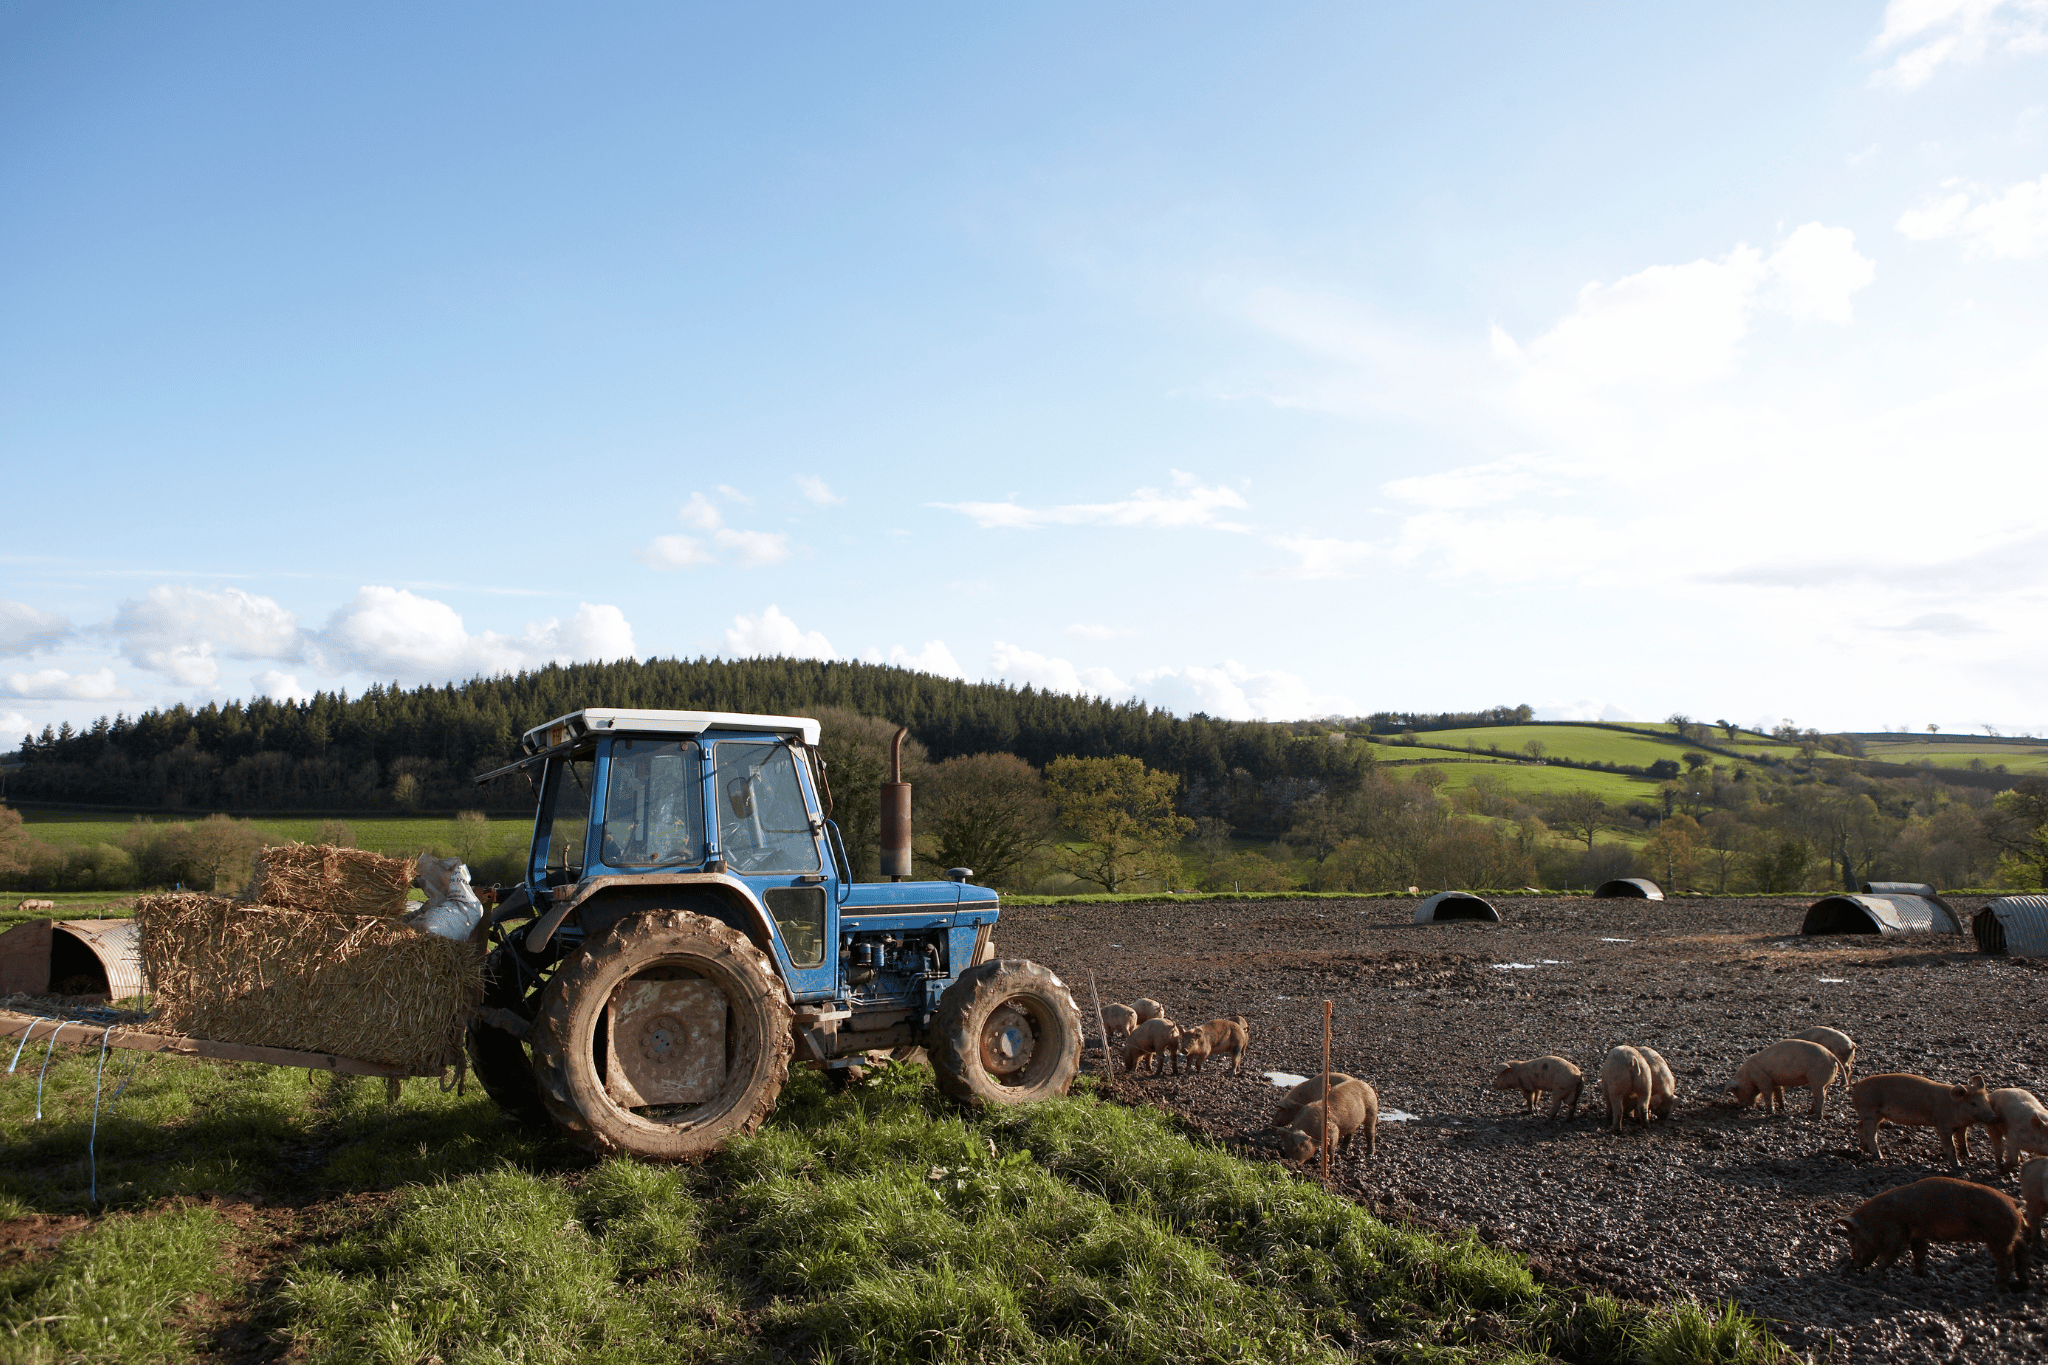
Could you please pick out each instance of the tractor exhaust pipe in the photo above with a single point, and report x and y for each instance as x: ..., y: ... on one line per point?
x: 896, y: 814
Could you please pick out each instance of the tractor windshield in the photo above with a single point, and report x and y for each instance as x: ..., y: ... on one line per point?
x: 654, y: 804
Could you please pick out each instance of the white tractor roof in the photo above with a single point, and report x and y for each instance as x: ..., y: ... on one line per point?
x: 605, y: 720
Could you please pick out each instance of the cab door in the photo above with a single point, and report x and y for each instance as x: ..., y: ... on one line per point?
x: 769, y: 832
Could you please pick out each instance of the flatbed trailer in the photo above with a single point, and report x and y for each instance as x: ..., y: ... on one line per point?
x: 58, y: 1029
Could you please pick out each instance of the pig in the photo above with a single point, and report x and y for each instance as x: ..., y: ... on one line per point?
x: 1119, y: 1020
x: 1938, y: 1209
x: 1308, y: 1092
x: 1625, y: 1083
x: 1787, y: 1062
x: 1835, y: 1041
x: 1553, y: 1076
x: 1917, y: 1102
x: 2021, y: 1126
x: 1149, y: 1008
x: 2034, y: 1189
x: 1353, y: 1107
x: 1151, y: 1040
x: 1663, y: 1085
x: 1232, y: 1036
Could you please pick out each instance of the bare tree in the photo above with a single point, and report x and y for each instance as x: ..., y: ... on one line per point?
x: 1582, y: 815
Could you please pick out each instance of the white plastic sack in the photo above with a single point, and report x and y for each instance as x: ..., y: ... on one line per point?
x: 452, y: 909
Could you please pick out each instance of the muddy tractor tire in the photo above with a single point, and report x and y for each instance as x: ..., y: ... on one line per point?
x: 1004, y: 1033
x: 497, y: 1058
x: 698, y: 1020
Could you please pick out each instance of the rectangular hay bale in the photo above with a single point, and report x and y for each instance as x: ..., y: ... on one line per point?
x: 342, y: 881
x: 360, y: 986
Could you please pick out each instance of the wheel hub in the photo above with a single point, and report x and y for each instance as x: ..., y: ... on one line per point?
x: 1007, y: 1041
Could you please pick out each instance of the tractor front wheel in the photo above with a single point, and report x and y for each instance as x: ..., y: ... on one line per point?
x: 664, y: 1037
x: 498, y: 1059
x: 1005, y: 1032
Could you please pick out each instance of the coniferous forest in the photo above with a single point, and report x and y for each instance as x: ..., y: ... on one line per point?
x: 392, y: 747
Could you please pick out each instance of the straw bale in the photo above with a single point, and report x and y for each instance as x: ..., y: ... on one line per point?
x: 355, y: 985
x: 341, y: 881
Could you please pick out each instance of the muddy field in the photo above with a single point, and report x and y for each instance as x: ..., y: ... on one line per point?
x: 1712, y: 1202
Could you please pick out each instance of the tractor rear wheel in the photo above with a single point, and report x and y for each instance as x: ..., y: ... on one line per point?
x: 1005, y: 1032
x: 664, y: 1037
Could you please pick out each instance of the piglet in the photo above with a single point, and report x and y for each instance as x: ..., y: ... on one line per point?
x: 1149, y: 1008
x: 1787, y: 1062
x: 1835, y: 1041
x: 2021, y: 1126
x: 1352, y: 1108
x: 1228, y: 1037
x: 1663, y: 1085
x: 1552, y: 1076
x: 1307, y: 1093
x: 1917, y: 1102
x: 1151, y: 1040
x: 2034, y: 1189
x: 1625, y: 1084
x: 1119, y: 1020
x: 1938, y: 1209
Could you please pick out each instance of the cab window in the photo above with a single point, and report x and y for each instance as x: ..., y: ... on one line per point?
x: 567, y: 821
x: 653, y: 804
x: 763, y: 824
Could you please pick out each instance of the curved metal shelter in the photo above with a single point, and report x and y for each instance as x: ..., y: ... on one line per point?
x: 2013, y: 924
x: 1629, y: 889
x: 1887, y: 914
x: 1897, y: 889
x: 1454, y: 905
x: 72, y: 957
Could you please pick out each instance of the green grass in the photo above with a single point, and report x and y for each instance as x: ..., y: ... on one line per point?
x: 878, y: 1224
x: 114, y: 1293
x: 2014, y: 758
x: 1580, y: 743
x: 391, y: 834
x: 1520, y: 779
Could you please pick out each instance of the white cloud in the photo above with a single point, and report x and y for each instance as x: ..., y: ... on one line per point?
x: 2012, y: 225
x: 24, y: 630
x: 1189, y: 504
x: 699, y: 512
x: 726, y: 490
x: 771, y: 634
x: 1476, y: 485
x: 815, y: 489
x: 674, y: 552
x: 1937, y: 32
x: 1097, y: 631
x: 176, y: 631
x: 1230, y: 691
x: 1684, y: 324
x: 934, y: 658
x: 1584, y: 709
x: 390, y: 632
x: 54, y: 684
x: 1024, y: 668
x: 1323, y: 556
x: 747, y: 549
x: 753, y: 549
x: 279, y: 686
x: 13, y: 726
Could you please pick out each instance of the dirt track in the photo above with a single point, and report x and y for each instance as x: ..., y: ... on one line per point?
x: 1712, y: 1202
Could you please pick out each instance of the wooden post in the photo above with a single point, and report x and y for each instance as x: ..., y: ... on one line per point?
x: 1108, y: 1060
x: 1324, y: 1141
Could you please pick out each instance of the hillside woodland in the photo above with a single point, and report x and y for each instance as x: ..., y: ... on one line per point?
x: 1049, y: 792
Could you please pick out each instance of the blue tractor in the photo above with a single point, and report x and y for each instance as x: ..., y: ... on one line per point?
x: 689, y: 925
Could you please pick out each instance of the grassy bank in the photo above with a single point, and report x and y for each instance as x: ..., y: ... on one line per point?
x: 880, y: 1224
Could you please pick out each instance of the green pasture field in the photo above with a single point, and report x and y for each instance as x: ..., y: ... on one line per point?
x: 1527, y: 779
x: 2015, y: 759
x: 389, y: 834
x: 1580, y: 743
x: 243, y: 1208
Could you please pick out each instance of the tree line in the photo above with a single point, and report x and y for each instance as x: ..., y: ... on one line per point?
x: 393, y: 748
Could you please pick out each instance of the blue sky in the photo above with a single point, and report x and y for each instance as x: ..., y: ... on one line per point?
x: 1269, y: 363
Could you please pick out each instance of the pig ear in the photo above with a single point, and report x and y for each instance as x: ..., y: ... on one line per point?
x: 1977, y: 1081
